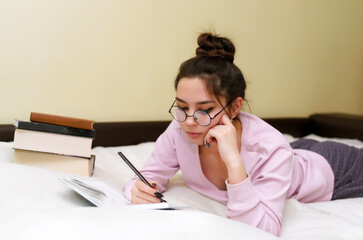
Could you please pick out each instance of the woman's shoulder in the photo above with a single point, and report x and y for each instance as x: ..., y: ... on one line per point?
x: 172, y: 132
x: 173, y: 128
x: 257, y: 132
x: 252, y: 123
x: 173, y: 138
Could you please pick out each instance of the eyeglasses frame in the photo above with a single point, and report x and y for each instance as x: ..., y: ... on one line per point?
x: 186, y: 115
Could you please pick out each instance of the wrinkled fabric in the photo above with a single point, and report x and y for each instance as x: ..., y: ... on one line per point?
x: 345, y: 161
x: 275, y: 172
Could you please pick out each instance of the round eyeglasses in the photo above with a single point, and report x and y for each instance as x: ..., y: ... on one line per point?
x: 200, y: 116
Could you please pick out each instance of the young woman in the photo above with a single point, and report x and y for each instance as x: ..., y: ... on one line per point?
x: 232, y: 156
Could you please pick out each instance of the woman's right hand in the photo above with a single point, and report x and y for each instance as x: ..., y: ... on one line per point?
x: 142, y: 193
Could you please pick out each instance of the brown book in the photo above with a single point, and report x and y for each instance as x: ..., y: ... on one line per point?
x: 62, y: 120
x: 56, y: 162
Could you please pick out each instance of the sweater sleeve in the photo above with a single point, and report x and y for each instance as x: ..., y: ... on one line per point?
x: 259, y: 200
x: 160, y: 166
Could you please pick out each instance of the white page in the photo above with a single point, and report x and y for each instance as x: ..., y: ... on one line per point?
x: 101, y: 195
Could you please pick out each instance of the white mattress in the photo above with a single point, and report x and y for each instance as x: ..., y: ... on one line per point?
x: 34, y: 204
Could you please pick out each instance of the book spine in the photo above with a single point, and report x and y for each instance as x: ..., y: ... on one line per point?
x: 91, y: 165
x: 45, y: 127
x: 62, y: 120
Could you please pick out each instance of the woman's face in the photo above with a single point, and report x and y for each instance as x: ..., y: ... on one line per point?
x: 191, y: 95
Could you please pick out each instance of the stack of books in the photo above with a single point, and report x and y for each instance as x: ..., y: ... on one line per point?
x: 55, y: 142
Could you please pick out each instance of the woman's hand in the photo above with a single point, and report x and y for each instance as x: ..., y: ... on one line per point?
x: 224, y: 137
x: 142, y: 193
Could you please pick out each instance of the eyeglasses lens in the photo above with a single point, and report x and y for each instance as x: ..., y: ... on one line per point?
x: 202, y: 118
x: 178, y: 114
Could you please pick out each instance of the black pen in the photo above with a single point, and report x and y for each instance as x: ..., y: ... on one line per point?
x: 157, y: 194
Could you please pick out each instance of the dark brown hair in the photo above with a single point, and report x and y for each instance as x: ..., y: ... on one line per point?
x: 214, y: 65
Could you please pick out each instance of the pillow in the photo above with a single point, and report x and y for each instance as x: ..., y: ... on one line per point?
x: 351, y: 142
x: 6, y: 152
x: 111, y: 169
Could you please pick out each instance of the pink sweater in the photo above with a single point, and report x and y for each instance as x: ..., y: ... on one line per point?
x: 276, y: 173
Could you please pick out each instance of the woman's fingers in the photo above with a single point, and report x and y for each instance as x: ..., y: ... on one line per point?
x: 143, y: 198
x: 225, y: 120
x: 217, y: 132
x: 142, y: 193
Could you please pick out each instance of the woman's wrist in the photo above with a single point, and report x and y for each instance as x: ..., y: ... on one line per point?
x: 236, y: 172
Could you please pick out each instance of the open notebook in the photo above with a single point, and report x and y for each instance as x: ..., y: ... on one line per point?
x: 101, y: 195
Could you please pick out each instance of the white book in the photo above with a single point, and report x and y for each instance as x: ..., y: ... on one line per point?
x: 52, y: 143
x: 56, y: 162
x: 101, y: 195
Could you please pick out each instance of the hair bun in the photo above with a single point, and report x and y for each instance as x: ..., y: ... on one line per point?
x: 212, y: 45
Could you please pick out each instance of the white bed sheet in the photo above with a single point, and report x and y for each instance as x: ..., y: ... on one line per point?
x: 34, y: 204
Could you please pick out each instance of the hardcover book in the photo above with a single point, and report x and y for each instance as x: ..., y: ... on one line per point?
x: 61, y: 120
x: 52, y: 128
x: 52, y: 143
x: 56, y: 162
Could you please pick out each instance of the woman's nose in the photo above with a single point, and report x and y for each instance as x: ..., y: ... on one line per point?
x: 190, y: 121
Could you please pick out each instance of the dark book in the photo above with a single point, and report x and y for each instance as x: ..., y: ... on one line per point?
x: 51, y: 128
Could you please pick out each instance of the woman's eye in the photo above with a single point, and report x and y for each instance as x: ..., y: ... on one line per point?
x: 183, y: 108
x: 207, y: 110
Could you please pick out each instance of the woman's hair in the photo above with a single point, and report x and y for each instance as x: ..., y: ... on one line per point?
x: 214, y: 65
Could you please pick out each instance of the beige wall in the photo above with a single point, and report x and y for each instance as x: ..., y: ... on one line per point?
x: 115, y: 60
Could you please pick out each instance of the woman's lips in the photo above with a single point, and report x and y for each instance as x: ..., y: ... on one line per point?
x: 193, y: 135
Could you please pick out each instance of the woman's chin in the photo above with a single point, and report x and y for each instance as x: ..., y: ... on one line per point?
x: 196, y: 141
x: 195, y: 138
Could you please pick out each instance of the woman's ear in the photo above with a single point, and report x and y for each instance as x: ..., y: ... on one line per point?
x: 236, y: 106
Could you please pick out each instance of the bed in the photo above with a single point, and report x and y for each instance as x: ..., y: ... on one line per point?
x: 34, y: 204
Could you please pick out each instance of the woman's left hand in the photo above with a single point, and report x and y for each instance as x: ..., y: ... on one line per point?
x: 223, y: 136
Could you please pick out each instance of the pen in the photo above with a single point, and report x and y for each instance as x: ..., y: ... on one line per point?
x: 158, y: 195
